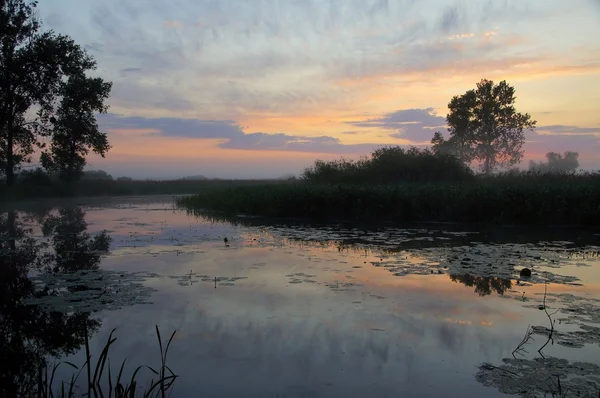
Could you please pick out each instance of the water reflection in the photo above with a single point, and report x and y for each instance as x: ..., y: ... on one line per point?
x: 74, y: 248
x: 489, y: 263
x: 28, y: 334
x: 483, y: 285
x: 325, y: 310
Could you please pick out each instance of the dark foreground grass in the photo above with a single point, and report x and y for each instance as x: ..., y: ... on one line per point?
x: 562, y: 200
x: 102, y: 381
x: 122, y: 188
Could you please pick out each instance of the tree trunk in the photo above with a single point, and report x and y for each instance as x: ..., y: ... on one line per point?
x: 71, y: 164
x: 10, y: 161
x: 486, y: 165
x: 12, y: 231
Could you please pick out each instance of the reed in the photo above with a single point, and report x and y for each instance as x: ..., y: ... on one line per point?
x: 522, y: 199
x: 98, y: 386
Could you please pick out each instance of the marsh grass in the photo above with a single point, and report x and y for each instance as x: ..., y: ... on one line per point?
x: 504, y: 199
x: 96, y: 385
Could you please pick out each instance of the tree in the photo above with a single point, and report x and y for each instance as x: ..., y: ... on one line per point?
x: 451, y: 147
x: 96, y: 175
x: 485, y: 127
x: 32, y: 68
x: 75, y: 130
x: 557, y: 163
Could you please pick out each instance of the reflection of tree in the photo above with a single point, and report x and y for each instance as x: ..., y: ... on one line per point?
x: 483, y: 284
x: 75, y: 249
x: 27, y: 334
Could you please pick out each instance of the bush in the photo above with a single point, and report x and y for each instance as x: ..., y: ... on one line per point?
x: 389, y: 165
x: 34, y: 177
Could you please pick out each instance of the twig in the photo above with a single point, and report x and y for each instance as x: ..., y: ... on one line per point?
x: 549, y: 318
x: 525, y: 340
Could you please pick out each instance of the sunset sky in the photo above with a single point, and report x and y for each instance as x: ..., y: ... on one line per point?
x: 257, y: 88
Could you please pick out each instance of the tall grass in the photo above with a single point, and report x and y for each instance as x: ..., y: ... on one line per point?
x: 96, y: 385
x: 399, y: 185
x: 528, y: 199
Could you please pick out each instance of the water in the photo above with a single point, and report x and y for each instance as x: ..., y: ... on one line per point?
x: 296, y: 310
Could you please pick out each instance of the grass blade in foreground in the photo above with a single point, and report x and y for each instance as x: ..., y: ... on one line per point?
x: 94, y: 388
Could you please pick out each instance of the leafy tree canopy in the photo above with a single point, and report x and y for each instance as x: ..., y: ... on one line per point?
x: 36, y: 68
x: 485, y: 127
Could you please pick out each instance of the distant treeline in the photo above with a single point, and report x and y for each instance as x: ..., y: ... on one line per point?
x: 37, y: 184
x: 391, y: 165
x: 556, y: 163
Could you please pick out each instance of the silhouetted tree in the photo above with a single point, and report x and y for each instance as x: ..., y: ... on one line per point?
x: 485, y: 127
x: 557, y: 163
x: 74, y: 127
x: 32, y: 67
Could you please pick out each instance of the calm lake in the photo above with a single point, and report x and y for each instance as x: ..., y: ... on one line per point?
x: 285, y: 309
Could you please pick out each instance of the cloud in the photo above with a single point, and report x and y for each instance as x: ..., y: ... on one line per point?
x: 276, y: 63
x: 251, y: 61
x: 284, y: 142
x: 452, y: 18
x: 129, y: 70
x: 173, y: 127
x: 172, y: 24
x: 559, y: 129
x: 351, y: 132
x: 137, y: 95
x: 230, y: 132
x: 562, y: 138
x: 93, y: 47
x: 587, y: 145
x: 411, y: 124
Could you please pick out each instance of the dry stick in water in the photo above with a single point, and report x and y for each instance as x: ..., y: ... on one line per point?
x: 550, y: 335
x: 87, y: 362
x: 527, y: 337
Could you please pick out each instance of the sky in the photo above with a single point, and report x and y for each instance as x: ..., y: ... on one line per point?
x: 262, y: 88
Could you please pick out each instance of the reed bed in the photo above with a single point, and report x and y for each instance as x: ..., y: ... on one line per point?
x: 506, y: 199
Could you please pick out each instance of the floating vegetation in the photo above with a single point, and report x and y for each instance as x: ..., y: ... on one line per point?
x: 192, y: 278
x: 575, y: 339
x: 301, y: 277
x: 342, y: 286
x: 548, y: 375
x: 532, y: 377
x: 501, y: 261
x: 90, y: 290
